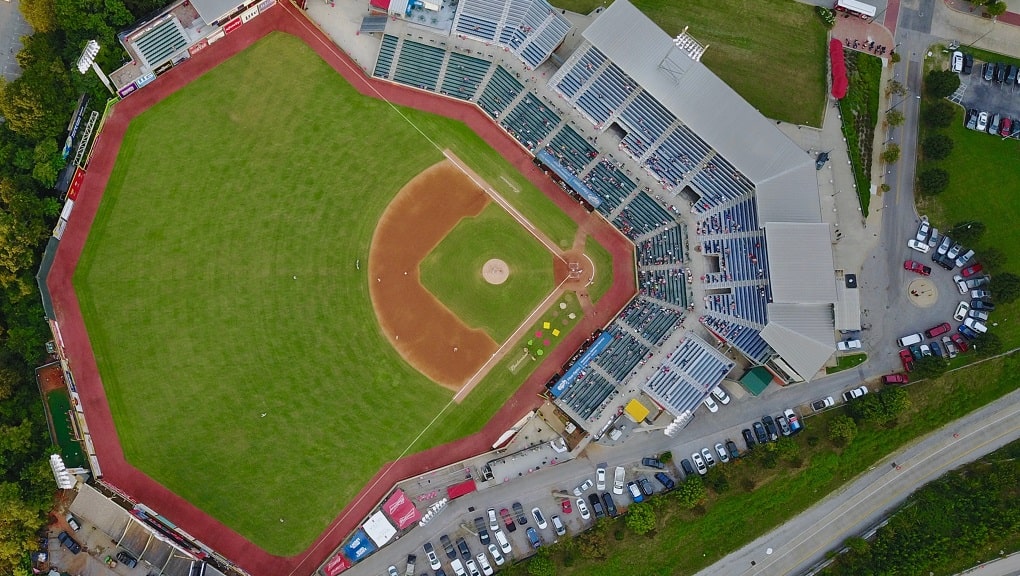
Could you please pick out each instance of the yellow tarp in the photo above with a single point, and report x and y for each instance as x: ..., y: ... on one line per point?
x: 636, y: 411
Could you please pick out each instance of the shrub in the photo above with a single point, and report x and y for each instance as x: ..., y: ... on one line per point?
x: 827, y: 16
x: 932, y: 181
x: 891, y: 154
x: 937, y: 146
x: 894, y: 117
x: 842, y: 430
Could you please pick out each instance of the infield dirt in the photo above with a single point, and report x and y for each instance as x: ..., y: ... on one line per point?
x: 421, y: 328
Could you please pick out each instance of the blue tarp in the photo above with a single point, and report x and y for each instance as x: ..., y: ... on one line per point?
x: 358, y: 547
x: 571, y: 180
x: 600, y: 344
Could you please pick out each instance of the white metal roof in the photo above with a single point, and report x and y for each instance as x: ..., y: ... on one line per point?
x: 213, y: 10
x: 801, y: 268
x: 783, y: 174
x: 802, y: 334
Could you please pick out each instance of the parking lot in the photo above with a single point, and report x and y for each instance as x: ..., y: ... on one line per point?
x: 991, y: 96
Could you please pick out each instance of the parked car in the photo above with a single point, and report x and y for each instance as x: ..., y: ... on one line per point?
x: 895, y: 379
x: 493, y: 519
x: 731, y: 447
x: 596, y: 505
x: 923, y: 230
x: 652, y: 463
x: 497, y: 555
x: 936, y: 349
x: 462, y: 546
x: 69, y: 542
x: 610, y: 504
x: 472, y: 567
x: 748, y: 438
x: 855, y: 393
x: 957, y: 62
x: 392, y: 571
x: 955, y: 250
x: 977, y: 282
x: 970, y: 122
x: 721, y: 395
x: 711, y: 405
x: 583, y: 487
x: 823, y: 403
x: 950, y: 347
x: 73, y: 522
x: 483, y: 534
x: 989, y: 71
x: 847, y: 345
x: 699, y: 463
x: 687, y: 467
x: 784, y: 426
x: 938, y: 330
x: 907, y: 359
x: 961, y: 344
x: 645, y: 486
x: 917, y: 267
x: 131, y: 562
x: 519, y: 512
x: 993, y: 125
x: 483, y: 563
x: 582, y: 509
x: 964, y: 258
x: 961, y: 285
x: 619, y: 477
x: 966, y: 332
x: 979, y: 294
x: 431, y: 556
x: 566, y: 507
x: 943, y: 261
x: 980, y: 304
x: 665, y: 480
x: 968, y: 63
x: 982, y: 123
x: 1000, y: 72
x: 600, y: 477
x: 947, y: 242
x: 558, y: 526
x: 975, y: 325
x: 760, y: 434
x: 770, y: 427
x: 978, y: 315
x: 508, y: 520
x: 793, y: 420
x: 961, y: 311
x: 1011, y: 73
x: 536, y: 542
x: 921, y: 247
x: 458, y: 567
x: 1006, y: 129
x: 444, y: 540
x: 635, y: 492
x: 539, y: 518
x: 971, y: 270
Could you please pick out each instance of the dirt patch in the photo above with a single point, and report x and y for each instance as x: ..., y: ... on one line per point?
x: 495, y: 271
x: 422, y: 330
x: 51, y: 377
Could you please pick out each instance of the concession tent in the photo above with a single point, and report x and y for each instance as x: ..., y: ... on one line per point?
x: 336, y: 565
x: 379, y: 529
x: 358, y: 547
x: 401, y: 510
x: 839, y: 79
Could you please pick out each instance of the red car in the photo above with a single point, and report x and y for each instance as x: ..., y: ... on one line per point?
x: 960, y: 342
x: 938, y: 330
x: 895, y: 379
x: 908, y: 360
x: 566, y: 507
x: 1006, y: 129
x: 971, y: 270
x: 917, y: 267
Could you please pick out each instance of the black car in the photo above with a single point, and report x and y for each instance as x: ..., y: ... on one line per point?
x: 731, y: 447
x: 444, y: 540
x: 465, y: 552
x: 665, y: 480
x: 687, y: 467
x: 69, y: 542
x: 483, y: 534
x: 519, y: 512
x: 127, y: 559
x: 1000, y: 72
x: 652, y: 463
x: 979, y: 304
x: 989, y: 71
x: 748, y: 438
x: 1011, y: 73
x: 968, y: 63
x: 646, y: 486
x: 607, y: 499
x: 759, y: 433
x: 596, y: 505
x: 770, y: 426
x: 943, y: 261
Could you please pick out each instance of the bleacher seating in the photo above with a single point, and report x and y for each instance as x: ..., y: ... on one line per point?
x: 571, y: 80
x: 641, y: 216
x: 746, y: 339
x: 464, y: 75
x: 666, y: 247
x: 385, y: 59
x: 605, y: 94
x: 531, y: 29
x: 620, y: 358
x: 609, y: 183
x: 677, y: 155
x: 530, y: 121
x: 571, y: 149
x: 653, y: 321
x: 646, y: 121
x: 740, y: 258
x: 666, y: 285
x: 589, y: 394
x: 500, y: 92
x: 719, y: 182
x: 739, y: 217
x: 418, y: 65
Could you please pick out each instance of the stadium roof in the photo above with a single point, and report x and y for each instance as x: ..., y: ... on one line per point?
x: 213, y: 10
x: 801, y: 269
x: 783, y: 174
x: 802, y: 334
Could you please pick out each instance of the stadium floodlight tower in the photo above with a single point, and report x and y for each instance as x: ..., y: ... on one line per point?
x: 686, y: 44
x: 88, y: 58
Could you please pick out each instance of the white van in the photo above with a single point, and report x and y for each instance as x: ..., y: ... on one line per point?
x: 910, y: 340
x: 458, y: 568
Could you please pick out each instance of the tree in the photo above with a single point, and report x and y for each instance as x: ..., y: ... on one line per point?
x: 932, y: 181
x: 1005, y: 287
x: 39, y: 14
x: 894, y: 117
x: 48, y: 162
x: 996, y: 9
x: 968, y: 232
x: 987, y: 344
x: 929, y: 367
x: 717, y: 480
x: 895, y: 87
x: 641, y: 518
x: 891, y: 154
x: 842, y: 430
x: 691, y: 493
x: 938, y: 114
x: 941, y: 83
x: 19, y: 522
x: 937, y: 146
x: 993, y: 259
x: 895, y: 401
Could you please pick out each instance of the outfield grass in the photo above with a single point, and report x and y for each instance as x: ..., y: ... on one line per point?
x: 983, y: 188
x: 452, y: 272
x: 603, y: 261
x: 771, y: 53
x: 219, y: 285
x: 685, y: 542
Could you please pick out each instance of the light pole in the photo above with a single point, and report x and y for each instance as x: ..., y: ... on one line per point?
x: 88, y: 59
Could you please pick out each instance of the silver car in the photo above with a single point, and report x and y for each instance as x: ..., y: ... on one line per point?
x: 954, y: 251
x: 945, y: 245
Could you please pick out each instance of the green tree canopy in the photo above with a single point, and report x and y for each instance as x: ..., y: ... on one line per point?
x: 987, y: 344
x: 842, y: 430
x: 932, y: 181
x: 641, y: 518
x: 40, y: 14
x: 929, y: 367
x: 968, y: 232
x: 938, y: 114
x: 941, y: 83
x: 691, y: 493
x: 937, y: 146
x: 1005, y: 287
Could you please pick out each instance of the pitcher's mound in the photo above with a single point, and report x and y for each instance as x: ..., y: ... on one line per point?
x: 495, y: 271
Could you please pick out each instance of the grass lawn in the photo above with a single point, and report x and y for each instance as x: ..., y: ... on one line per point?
x: 452, y: 272
x: 847, y: 362
x: 982, y: 188
x: 739, y: 515
x: 218, y: 284
x: 771, y: 53
x: 603, y: 261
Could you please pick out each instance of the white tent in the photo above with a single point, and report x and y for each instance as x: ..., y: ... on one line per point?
x: 379, y: 529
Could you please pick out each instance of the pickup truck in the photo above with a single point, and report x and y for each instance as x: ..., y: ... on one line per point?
x: 823, y: 404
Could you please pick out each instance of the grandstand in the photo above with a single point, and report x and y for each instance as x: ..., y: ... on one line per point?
x: 531, y: 29
x: 687, y: 375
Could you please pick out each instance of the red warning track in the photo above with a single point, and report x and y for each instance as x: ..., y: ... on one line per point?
x: 119, y: 473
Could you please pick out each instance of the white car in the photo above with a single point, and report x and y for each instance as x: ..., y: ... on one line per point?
x: 721, y: 395
x: 921, y: 247
x: 472, y: 568
x: 483, y: 563
x: 618, y: 478
x: 724, y: 457
x: 707, y: 455
x: 954, y: 251
x: 493, y: 520
x: 964, y: 258
x: 583, y: 486
x: 982, y: 123
x: 497, y: 556
x: 711, y: 405
x: 947, y: 242
x: 975, y: 294
x: 699, y: 463
x: 957, y: 64
x: 430, y: 553
x: 504, y: 544
x: 960, y: 284
x: 600, y: 477
x: 923, y: 230
x: 925, y: 350
x: 978, y: 314
x: 582, y: 509
x: 539, y: 518
x: 855, y: 393
x: 846, y: 345
x: 975, y: 325
x: 458, y: 567
x: 961, y: 311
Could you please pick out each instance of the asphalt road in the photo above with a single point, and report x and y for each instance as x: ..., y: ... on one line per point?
x: 12, y: 28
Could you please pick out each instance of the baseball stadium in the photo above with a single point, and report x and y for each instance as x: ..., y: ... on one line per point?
x: 293, y: 278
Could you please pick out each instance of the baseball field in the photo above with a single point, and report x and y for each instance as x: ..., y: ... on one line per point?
x: 229, y: 292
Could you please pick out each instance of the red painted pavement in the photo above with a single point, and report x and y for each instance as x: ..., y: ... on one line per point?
x: 892, y: 15
x: 139, y: 486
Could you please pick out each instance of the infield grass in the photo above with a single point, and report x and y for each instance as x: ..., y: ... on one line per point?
x: 240, y: 355
x: 452, y: 272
